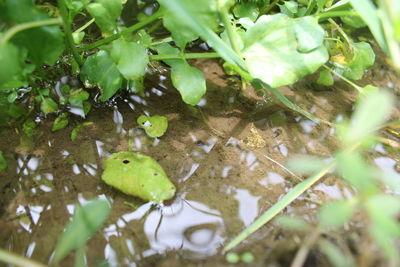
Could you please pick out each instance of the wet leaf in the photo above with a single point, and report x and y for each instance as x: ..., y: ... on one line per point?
x: 48, y: 105
x: 86, y: 221
x: 336, y: 214
x: 189, y: 80
x: 325, y: 78
x: 105, y: 13
x: 202, y: 11
x: 60, y: 122
x: 246, y: 9
x: 288, y: 48
x: 3, y: 162
x: 131, y: 58
x: 77, y: 96
x: 154, y: 126
x: 100, y: 70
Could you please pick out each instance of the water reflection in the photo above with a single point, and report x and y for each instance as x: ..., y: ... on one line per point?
x: 248, y: 206
x: 187, y: 225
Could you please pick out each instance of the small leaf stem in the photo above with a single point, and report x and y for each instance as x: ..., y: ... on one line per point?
x: 17, y: 260
x: 331, y: 14
x: 358, y: 88
x: 184, y: 56
x: 130, y: 29
x: 87, y: 24
x: 232, y: 34
x: 267, y: 9
x: 67, y: 30
x: 345, y: 36
x: 28, y: 25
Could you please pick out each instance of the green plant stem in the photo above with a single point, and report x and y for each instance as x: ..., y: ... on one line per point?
x: 299, y: 189
x: 28, y: 25
x: 130, y: 29
x: 67, y: 30
x: 232, y: 34
x: 331, y: 14
x: 340, y: 30
x: 310, y: 7
x: 184, y: 56
x: 358, y: 88
x: 87, y: 24
x: 17, y: 260
x: 268, y: 8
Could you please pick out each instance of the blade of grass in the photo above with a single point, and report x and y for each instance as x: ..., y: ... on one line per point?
x: 299, y: 189
x: 17, y: 260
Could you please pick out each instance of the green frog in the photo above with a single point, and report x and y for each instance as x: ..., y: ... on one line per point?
x: 138, y: 175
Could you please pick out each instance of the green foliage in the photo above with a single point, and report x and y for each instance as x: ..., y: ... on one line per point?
x: 3, y: 162
x: 99, y: 70
x: 292, y: 223
x: 60, y: 122
x: 48, y: 105
x: 106, y: 13
x: 86, y: 221
x: 154, y: 126
x: 325, y: 78
x: 289, y: 49
x: 10, y: 66
x: 336, y: 214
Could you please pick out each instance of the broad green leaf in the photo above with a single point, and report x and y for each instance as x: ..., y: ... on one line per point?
x: 16, y: 111
x: 289, y: 8
x: 203, y: 12
x: 363, y: 58
x: 292, y: 223
x: 74, y: 6
x: 189, y: 81
x: 10, y: 64
x: 60, y: 122
x: 353, y: 168
x: 86, y: 221
x: 335, y: 214
x: 371, y: 112
x: 246, y: 9
x: 12, y: 97
x: 3, y: 162
x: 353, y: 21
x: 154, y: 126
x: 306, y: 164
x: 272, y: 49
x: 106, y: 13
x: 100, y: 70
x: 131, y: 58
x: 370, y: 15
x: 48, y: 105
x: 190, y: 21
x: 325, y: 78
x: 44, y: 44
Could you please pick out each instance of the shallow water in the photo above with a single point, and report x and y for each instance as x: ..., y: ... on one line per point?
x: 224, y: 157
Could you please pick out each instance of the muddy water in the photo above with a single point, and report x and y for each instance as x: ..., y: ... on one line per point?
x: 224, y: 158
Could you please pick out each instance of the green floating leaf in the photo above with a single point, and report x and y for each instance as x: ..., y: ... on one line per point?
x: 371, y: 112
x: 60, y: 122
x: 154, y: 126
x: 3, y: 162
x: 100, y: 70
x: 77, y: 96
x: 306, y: 164
x: 325, y: 78
x: 203, y: 11
x: 292, y: 223
x: 189, y: 80
x: 106, y: 13
x: 86, y: 221
x: 44, y: 44
x: 48, y: 105
x: 363, y: 58
x: 280, y: 50
x: 336, y: 214
x: 131, y: 58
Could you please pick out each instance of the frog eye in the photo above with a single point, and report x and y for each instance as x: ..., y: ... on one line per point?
x: 125, y: 161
